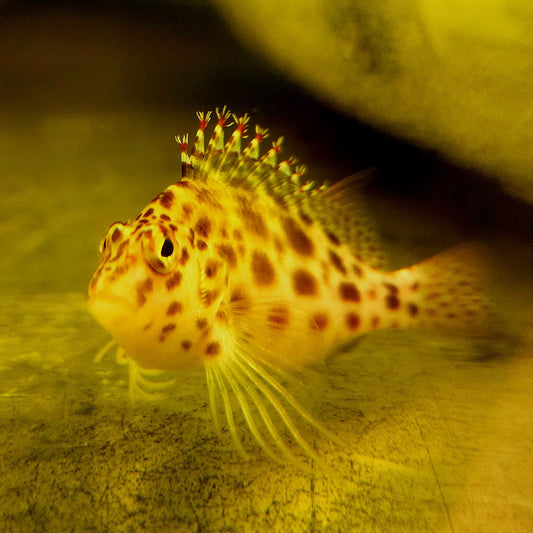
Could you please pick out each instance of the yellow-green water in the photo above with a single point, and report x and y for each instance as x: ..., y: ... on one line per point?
x: 435, y: 433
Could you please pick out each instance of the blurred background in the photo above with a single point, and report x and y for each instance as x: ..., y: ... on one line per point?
x: 437, y: 432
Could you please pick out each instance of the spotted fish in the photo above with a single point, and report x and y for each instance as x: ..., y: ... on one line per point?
x: 244, y: 269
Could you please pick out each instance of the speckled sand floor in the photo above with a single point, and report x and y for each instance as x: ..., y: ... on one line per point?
x: 434, y: 434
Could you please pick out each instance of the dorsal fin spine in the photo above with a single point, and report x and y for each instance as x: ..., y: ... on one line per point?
x: 232, y: 148
x: 216, y: 142
x: 252, y: 150
x: 186, y: 164
x: 199, y: 142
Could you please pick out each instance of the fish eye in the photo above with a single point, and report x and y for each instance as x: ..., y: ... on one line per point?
x: 102, y: 245
x: 168, y: 248
x: 116, y: 234
x: 159, y: 250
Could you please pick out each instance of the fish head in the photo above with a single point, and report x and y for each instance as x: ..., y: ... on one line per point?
x: 145, y: 291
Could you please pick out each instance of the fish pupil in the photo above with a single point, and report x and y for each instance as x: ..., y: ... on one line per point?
x: 167, y: 249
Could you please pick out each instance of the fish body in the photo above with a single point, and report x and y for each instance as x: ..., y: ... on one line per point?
x: 242, y: 268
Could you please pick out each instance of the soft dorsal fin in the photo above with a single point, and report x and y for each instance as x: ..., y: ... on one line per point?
x: 340, y: 210
x: 338, y: 207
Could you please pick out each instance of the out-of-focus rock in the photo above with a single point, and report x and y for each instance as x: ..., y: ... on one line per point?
x: 453, y: 76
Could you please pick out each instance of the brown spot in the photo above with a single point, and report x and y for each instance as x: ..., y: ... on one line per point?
x: 116, y: 235
x: 203, y: 227
x: 352, y: 320
x: 144, y: 287
x: 356, y: 269
x: 391, y: 288
x: 239, y: 299
x: 211, y: 268
x: 281, y: 202
x: 166, y: 198
x: 149, y: 212
x: 174, y: 307
x: 173, y: 280
x: 201, y: 323
x: 304, y: 283
x: 375, y: 322
x: 209, y: 297
x: 278, y: 317
x: 299, y: 241
x: 184, y: 256
x: 415, y: 286
x: 253, y: 221
x: 205, y: 196
x: 333, y: 238
x: 186, y: 345
x: 201, y: 245
x: 349, y: 292
x: 237, y: 235
x: 372, y: 294
x: 336, y: 261
x: 392, y: 302
x: 118, y: 271
x: 262, y: 269
x: 319, y: 321
x: 213, y: 348
x: 191, y: 237
x: 187, y: 210
x: 184, y: 184
x: 120, y: 250
x: 200, y: 196
x: 227, y: 253
x: 412, y: 309
x: 222, y: 315
x: 278, y: 244
x: 173, y: 227
x: 165, y: 217
x: 165, y: 331
x: 305, y: 218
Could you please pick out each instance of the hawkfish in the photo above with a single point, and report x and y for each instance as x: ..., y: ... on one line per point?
x: 245, y: 270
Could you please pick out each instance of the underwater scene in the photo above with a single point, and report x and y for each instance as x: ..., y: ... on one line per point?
x: 247, y: 349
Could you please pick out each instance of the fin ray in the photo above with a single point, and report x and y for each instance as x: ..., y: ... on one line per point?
x: 453, y: 291
x: 229, y: 413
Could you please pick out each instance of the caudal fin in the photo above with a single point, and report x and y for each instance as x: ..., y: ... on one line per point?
x: 452, y: 291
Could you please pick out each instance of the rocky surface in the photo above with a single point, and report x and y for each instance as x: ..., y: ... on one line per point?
x: 455, y: 77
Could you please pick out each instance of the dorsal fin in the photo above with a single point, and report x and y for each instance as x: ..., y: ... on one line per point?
x: 338, y: 208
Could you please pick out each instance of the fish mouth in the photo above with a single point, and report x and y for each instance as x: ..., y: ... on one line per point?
x: 110, y: 308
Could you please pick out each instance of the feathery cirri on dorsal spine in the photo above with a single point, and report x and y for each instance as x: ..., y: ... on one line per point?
x: 226, y: 161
